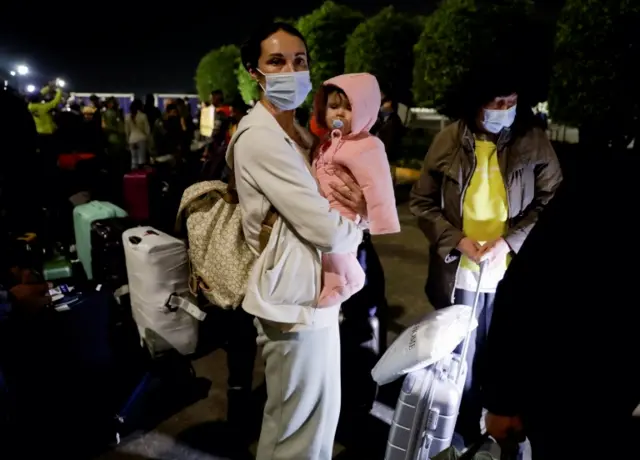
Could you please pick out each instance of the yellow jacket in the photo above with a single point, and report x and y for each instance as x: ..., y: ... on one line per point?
x: 41, y: 112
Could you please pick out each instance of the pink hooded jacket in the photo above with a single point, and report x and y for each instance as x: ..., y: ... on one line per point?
x: 359, y: 153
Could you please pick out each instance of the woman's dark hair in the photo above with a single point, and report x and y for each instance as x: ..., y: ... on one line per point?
x: 252, y: 48
x: 479, y: 86
x: 136, y: 106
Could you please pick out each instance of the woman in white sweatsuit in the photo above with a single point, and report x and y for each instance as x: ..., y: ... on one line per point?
x: 270, y: 156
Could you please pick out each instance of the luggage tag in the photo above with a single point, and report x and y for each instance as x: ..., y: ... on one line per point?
x: 64, y: 302
x: 61, y: 290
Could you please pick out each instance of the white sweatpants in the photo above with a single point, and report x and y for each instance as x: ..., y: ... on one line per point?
x: 303, y: 392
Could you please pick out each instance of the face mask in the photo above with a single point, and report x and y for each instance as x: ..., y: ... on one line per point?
x: 495, y: 120
x: 337, y: 124
x: 287, y: 90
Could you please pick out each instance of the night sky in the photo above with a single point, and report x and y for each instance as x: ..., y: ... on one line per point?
x: 130, y: 48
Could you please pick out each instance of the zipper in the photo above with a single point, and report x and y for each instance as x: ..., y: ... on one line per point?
x: 504, y: 176
x: 474, y: 165
x: 506, y: 187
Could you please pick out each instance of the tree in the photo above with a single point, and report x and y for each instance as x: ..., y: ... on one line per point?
x: 247, y: 86
x: 462, y: 35
x: 217, y: 70
x: 595, y: 73
x: 383, y: 46
x: 327, y: 30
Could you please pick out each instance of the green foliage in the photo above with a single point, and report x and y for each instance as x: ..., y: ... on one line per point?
x: 461, y: 35
x: 247, y: 86
x: 383, y: 46
x: 217, y: 70
x: 327, y: 30
x: 595, y: 74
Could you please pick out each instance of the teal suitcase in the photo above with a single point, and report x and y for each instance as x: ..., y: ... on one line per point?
x: 83, y: 216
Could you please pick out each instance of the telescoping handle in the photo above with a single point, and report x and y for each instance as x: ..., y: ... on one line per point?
x: 474, y: 308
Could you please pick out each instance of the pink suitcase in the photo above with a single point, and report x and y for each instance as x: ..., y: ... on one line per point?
x: 137, y: 191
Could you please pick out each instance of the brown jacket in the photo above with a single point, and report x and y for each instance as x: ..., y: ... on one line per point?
x: 531, y: 174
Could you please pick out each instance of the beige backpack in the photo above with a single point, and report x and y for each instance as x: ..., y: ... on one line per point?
x: 218, y: 252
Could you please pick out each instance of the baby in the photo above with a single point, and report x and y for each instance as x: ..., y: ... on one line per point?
x: 348, y: 106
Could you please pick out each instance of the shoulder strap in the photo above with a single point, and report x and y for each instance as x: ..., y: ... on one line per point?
x: 232, y: 194
x: 195, y: 192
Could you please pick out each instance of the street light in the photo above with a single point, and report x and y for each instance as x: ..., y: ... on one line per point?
x: 22, y: 69
x: 60, y: 82
x: 13, y: 73
x: 30, y: 88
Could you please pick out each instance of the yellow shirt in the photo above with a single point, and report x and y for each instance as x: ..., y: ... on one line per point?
x: 484, y: 211
x: 41, y: 112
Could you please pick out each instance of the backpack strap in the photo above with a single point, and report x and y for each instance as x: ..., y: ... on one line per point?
x: 196, y: 192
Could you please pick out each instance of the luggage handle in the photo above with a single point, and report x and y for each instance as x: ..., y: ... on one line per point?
x: 465, y: 346
x: 175, y: 302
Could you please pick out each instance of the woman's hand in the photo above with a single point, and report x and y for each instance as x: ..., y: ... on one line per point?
x: 350, y: 194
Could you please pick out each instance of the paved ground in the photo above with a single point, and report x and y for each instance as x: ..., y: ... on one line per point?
x: 196, y: 432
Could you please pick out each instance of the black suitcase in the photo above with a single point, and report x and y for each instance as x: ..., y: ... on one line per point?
x: 107, y: 254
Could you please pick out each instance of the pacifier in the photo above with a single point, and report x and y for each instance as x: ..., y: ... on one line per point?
x: 337, y: 124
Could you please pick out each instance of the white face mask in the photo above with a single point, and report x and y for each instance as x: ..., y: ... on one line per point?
x: 287, y: 90
x: 495, y: 121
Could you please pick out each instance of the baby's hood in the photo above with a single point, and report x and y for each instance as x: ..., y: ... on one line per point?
x: 363, y: 92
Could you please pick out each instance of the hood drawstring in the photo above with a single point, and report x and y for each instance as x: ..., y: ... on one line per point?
x: 326, y: 157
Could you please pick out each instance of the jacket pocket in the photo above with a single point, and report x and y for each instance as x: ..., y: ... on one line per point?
x: 288, y: 272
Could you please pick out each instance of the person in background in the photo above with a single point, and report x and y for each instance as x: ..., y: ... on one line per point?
x: 150, y: 110
x: 138, y: 134
x: 171, y: 133
x: 45, y: 125
x: 221, y: 113
x: 238, y: 110
x: 95, y: 109
x: 70, y: 129
x: 206, y: 120
x: 549, y: 361
x: 390, y: 130
x: 486, y: 179
x: 113, y: 128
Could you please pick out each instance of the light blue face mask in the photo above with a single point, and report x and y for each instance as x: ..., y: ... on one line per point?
x: 287, y: 90
x: 495, y: 121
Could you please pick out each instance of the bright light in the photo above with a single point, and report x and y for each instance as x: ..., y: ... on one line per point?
x: 60, y: 82
x: 13, y: 73
x: 30, y: 88
x: 22, y: 69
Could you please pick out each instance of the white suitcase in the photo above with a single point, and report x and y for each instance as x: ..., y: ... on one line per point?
x: 158, y: 272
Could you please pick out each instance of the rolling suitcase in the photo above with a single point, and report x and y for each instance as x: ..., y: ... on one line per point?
x: 138, y: 191
x: 107, y: 253
x: 427, y: 409
x: 83, y: 216
x: 158, y: 274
